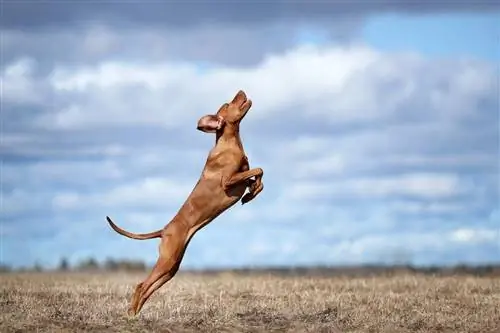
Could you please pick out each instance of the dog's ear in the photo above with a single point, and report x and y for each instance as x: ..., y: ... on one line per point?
x: 210, y: 123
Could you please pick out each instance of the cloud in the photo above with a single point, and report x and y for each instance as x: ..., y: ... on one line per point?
x: 229, y: 34
x: 412, y: 185
x: 178, y: 14
x: 92, y: 40
x: 358, y: 86
x: 401, y: 247
x: 468, y: 235
x: 146, y: 193
x: 365, y: 153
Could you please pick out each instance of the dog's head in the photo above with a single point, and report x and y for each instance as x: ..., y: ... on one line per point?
x: 229, y: 114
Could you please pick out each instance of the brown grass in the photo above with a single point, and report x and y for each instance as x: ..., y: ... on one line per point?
x: 76, y: 302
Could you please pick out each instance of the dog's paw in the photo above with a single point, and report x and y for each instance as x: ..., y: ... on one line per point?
x: 254, y: 186
x: 246, y: 198
x: 131, y: 314
x: 250, y: 183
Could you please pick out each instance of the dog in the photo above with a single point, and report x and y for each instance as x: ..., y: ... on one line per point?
x: 224, y: 180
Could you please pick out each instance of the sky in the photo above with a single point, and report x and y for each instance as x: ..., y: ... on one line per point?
x: 376, y: 124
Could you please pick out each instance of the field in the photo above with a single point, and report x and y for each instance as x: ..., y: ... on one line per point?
x: 227, y: 302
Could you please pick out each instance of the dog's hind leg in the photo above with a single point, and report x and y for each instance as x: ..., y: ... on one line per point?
x: 172, y: 248
x: 167, y: 276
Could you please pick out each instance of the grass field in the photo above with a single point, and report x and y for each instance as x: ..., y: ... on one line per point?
x: 76, y: 302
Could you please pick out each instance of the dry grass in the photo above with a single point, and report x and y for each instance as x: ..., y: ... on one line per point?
x: 229, y: 303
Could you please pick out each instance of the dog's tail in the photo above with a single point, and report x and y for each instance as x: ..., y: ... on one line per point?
x: 149, y: 235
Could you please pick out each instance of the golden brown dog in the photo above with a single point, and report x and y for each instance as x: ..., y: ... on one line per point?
x: 223, y: 182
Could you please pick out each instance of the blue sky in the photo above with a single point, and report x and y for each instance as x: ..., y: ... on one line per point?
x: 377, y: 129
x: 440, y: 35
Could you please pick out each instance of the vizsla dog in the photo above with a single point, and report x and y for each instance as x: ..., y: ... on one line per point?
x: 223, y: 182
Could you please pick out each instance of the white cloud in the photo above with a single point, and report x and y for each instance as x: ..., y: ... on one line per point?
x: 111, y: 75
x: 67, y: 172
x: 332, y: 85
x: 18, y: 85
x: 427, y: 207
x: 475, y: 235
x: 454, y: 160
x: 368, y: 247
x: 145, y: 193
x: 421, y: 185
x: 334, y: 129
x: 34, y: 144
x: 378, y: 246
x: 21, y: 201
x: 326, y: 164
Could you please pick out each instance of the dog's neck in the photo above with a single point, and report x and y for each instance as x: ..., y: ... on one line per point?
x: 228, y: 132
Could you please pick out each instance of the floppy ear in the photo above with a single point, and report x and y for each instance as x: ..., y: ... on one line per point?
x: 210, y: 123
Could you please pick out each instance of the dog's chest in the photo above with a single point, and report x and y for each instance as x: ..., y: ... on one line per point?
x: 221, y: 159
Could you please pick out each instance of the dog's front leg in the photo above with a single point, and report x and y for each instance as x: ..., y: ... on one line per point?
x: 241, y: 177
x: 256, y: 186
